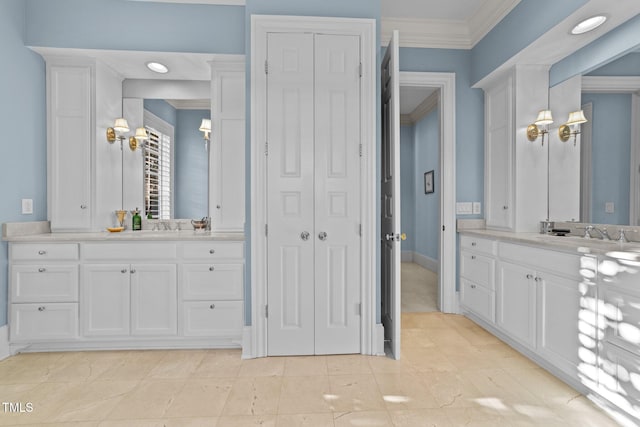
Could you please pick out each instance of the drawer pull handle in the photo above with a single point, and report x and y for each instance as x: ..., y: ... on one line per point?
x: 473, y: 243
x: 42, y: 252
x: 211, y: 268
x: 473, y: 257
x: 83, y: 206
x: 133, y: 271
x: 505, y: 207
x: 473, y: 286
x: 124, y: 270
x: 42, y: 270
x: 538, y: 279
x: 212, y: 306
x: 212, y: 251
x: 529, y: 276
x: 41, y: 308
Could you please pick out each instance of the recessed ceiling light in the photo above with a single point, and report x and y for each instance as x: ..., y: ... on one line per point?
x: 157, y: 67
x: 589, y: 24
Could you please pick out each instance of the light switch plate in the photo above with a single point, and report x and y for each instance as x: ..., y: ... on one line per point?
x: 477, y: 208
x: 609, y: 207
x: 27, y: 206
x: 464, y: 208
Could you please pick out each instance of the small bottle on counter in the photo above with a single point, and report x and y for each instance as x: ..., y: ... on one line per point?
x: 137, y: 220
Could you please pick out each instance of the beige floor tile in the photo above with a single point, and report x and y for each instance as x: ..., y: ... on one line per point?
x: 133, y: 365
x: 451, y: 390
x: 254, y: 396
x: 94, y: 400
x: 192, y: 422
x: 305, y: 420
x: 358, y: 392
x: 420, y: 418
x: 264, y: 367
x: 149, y: 400
x: 85, y: 366
x: 200, y: 398
x: 383, y: 364
x: 176, y: 364
x: 45, y: 399
x: 427, y: 359
x: 247, y: 421
x: 133, y: 423
x: 404, y: 391
x: 302, y: 366
x: 446, y: 337
x: 365, y: 418
x: 219, y: 364
x: 28, y: 367
x: 63, y: 424
x: 415, y: 338
x: 348, y: 364
x: 548, y: 388
x: 476, y: 417
x: 580, y: 411
x: 498, y: 384
x: 302, y: 395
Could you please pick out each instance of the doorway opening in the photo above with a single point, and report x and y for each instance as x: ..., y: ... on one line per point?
x: 420, y: 141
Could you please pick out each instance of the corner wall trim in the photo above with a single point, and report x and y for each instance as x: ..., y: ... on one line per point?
x: 426, y: 262
x: 247, y: 353
x: 4, y: 342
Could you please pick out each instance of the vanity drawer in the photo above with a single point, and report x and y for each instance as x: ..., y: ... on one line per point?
x: 212, y: 318
x: 130, y: 251
x: 44, y: 283
x: 212, y: 250
x: 44, y: 321
x: 478, y: 268
x: 212, y: 281
x: 43, y: 251
x: 621, y: 311
x: 478, y: 300
x: 478, y: 244
x: 543, y: 259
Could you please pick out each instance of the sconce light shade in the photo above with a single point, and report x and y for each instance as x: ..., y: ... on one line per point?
x: 576, y: 118
x: 141, y: 134
x: 205, y: 126
x: 121, y: 125
x: 544, y: 118
x: 138, y: 139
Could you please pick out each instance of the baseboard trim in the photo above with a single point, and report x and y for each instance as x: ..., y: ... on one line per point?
x: 406, y: 256
x: 379, y: 331
x: 426, y: 262
x: 247, y: 351
x: 4, y: 342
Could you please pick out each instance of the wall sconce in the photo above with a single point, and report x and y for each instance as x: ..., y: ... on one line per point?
x: 540, y: 126
x: 205, y: 127
x: 120, y: 127
x: 138, y: 139
x: 572, y: 127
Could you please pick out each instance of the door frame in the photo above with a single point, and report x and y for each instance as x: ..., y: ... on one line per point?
x: 446, y: 83
x: 255, y: 337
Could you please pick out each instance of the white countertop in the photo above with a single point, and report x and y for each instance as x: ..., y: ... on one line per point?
x: 570, y: 243
x: 127, y: 236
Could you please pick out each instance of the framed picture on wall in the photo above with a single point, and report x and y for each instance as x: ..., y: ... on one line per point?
x: 428, y: 182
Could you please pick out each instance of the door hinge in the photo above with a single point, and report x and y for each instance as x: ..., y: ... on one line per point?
x: 266, y: 311
x: 360, y: 230
x: 266, y: 66
x: 266, y: 229
x: 360, y: 69
x: 266, y: 148
x: 360, y: 150
x: 359, y: 309
x: 443, y: 228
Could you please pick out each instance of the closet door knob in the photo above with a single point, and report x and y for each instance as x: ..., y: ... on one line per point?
x: 42, y: 252
x: 212, y: 306
x: 212, y: 251
x: 322, y: 236
x: 124, y: 270
x: 304, y: 235
x: 211, y: 268
x: 83, y: 206
x: 41, y: 308
x: 42, y: 270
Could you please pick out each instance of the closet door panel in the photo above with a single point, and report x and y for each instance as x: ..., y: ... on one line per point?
x: 290, y: 213
x: 337, y: 194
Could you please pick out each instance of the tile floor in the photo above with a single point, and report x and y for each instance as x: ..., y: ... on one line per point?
x: 453, y: 373
x: 419, y: 292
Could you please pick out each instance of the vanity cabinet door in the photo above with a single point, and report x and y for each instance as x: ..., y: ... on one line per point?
x: 105, y: 300
x: 517, y: 302
x: 154, y: 299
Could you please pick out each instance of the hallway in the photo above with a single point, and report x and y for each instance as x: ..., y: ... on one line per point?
x: 419, y: 292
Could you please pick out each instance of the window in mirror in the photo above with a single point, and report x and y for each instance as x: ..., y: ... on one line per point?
x: 158, y: 169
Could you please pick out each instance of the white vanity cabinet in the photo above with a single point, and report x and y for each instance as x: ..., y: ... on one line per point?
x: 212, y: 278
x: 43, y: 292
x: 517, y: 302
x: 477, y: 276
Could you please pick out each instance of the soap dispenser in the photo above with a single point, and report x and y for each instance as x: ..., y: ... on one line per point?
x: 137, y: 220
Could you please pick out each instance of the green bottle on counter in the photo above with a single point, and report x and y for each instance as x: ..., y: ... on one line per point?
x: 137, y: 220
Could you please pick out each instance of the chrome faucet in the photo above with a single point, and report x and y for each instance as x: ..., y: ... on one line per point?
x: 622, y: 238
x: 603, y: 233
x: 587, y: 231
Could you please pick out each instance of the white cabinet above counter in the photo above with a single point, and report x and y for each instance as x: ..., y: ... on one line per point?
x: 133, y: 290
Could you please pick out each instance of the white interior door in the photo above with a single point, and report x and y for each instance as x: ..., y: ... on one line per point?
x: 337, y: 190
x: 390, y: 194
x: 290, y: 206
x: 313, y: 206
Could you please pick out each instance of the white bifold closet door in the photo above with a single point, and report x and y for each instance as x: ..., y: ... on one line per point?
x: 313, y: 212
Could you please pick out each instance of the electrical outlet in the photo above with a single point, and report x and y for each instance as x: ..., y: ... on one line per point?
x: 609, y: 207
x: 27, y: 206
x: 464, y: 208
x: 477, y: 208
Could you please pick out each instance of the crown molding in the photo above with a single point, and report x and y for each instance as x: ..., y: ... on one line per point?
x: 611, y: 84
x: 405, y: 120
x: 190, y: 104
x: 425, y: 107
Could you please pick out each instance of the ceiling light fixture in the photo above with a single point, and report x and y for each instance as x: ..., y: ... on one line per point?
x: 588, y: 24
x: 157, y: 67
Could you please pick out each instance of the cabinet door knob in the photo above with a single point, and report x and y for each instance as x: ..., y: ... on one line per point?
x: 124, y: 270
x: 217, y: 206
x: 473, y: 243
x: 473, y: 286
x: 133, y: 271
x: 83, y: 206
x: 211, y: 268
x: 42, y: 252
x: 41, y: 308
x: 212, y: 251
x: 212, y: 306
x: 473, y: 257
x: 529, y: 276
x: 304, y: 235
x: 538, y: 279
x: 505, y: 207
x: 42, y: 270
x: 322, y: 235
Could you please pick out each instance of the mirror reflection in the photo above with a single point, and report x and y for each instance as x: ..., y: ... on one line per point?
x: 610, y: 143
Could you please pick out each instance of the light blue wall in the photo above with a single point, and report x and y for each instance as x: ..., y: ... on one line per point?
x: 190, y: 176
x: 614, y: 44
x: 611, y: 145
x: 23, y: 150
x: 524, y: 24
x: 407, y: 186
x: 469, y: 115
x: 427, y: 206
x: 115, y: 24
x: 628, y: 65
x: 163, y: 110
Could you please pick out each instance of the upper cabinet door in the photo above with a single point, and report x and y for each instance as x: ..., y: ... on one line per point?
x: 69, y: 113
